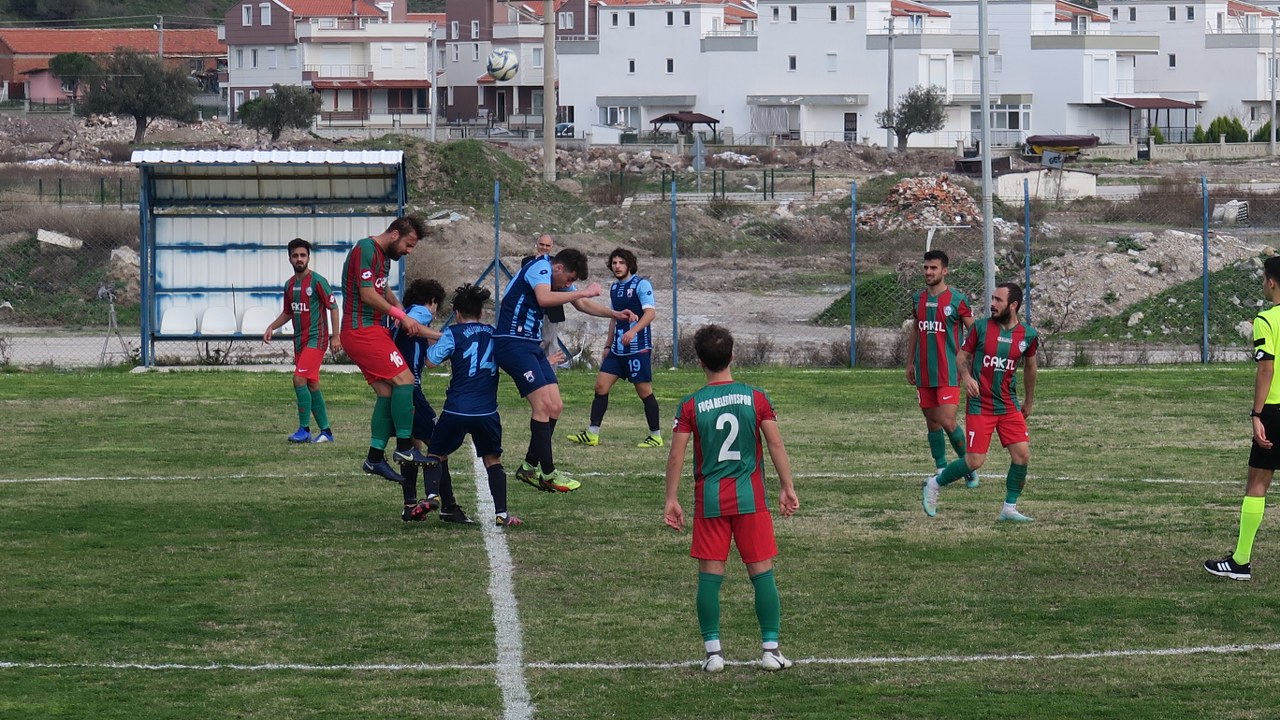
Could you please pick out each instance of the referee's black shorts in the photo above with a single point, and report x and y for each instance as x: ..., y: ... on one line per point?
x: 1260, y: 457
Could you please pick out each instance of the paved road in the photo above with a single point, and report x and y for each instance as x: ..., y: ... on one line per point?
x: 1121, y: 192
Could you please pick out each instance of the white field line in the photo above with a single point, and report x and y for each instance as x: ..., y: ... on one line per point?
x: 835, y: 475
x: 489, y: 667
x: 508, y: 635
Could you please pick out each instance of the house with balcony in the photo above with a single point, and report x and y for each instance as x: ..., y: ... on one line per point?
x: 371, y: 63
x: 1200, y: 39
x: 25, y: 54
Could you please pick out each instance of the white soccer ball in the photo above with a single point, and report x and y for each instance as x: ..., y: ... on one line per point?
x: 503, y: 64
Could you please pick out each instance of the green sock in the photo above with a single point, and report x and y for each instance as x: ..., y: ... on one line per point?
x: 768, y: 606
x: 402, y: 410
x: 304, y: 405
x: 938, y: 448
x: 380, y: 423
x: 1014, y: 482
x: 317, y: 407
x: 1250, y: 520
x: 953, y: 472
x: 957, y: 440
x: 709, y: 605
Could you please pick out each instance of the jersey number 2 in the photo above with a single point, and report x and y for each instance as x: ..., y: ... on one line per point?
x: 726, y: 453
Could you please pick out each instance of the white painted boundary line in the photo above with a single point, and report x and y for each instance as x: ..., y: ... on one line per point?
x: 487, y: 667
x: 508, y: 635
x: 835, y: 475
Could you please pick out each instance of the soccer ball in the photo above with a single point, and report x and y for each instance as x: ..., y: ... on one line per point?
x: 503, y: 64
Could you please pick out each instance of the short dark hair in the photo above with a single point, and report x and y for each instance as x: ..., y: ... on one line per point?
x: 714, y: 346
x: 404, y: 224
x: 469, y: 300
x: 296, y: 243
x: 423, y: 291
x: 938, y: 255
x: 627, y: 256
x: 1271, y: 268
x: 1015, y: 292
x: 573, y: 261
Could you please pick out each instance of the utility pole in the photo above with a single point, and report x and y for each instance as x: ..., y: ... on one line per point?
x: 160, y: 27
x: 431, y: 70
x: 984, y: 98
x: 888, y: 142
x: 549, y: 102
x: 1271, y: 78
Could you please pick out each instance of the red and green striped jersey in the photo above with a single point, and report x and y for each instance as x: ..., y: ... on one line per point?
x: 939, y: 329
x: 996, y: 352
x: 728, y: 465
x: 366, y: 266
x: 306, y: 301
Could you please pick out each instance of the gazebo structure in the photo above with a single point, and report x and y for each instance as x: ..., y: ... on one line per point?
x: 684, y: 122
x: 215, y: 225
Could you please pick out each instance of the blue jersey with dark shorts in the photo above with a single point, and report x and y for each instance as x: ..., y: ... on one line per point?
x: 414, y: 351
x: 471, y: 400
x: 520, y: 315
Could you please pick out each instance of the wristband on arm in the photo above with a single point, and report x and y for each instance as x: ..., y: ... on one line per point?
x: 397, y: 313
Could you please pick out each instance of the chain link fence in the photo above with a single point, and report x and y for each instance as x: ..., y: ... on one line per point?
x: 1114, y: 280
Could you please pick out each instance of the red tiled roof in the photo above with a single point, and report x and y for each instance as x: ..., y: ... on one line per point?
x: 332, y: 8
x: 49, y: 42
x: 1236, y: 7
x: 1149, y: 103
x: 1064, y: 11
x: 899, y: 8
x: 425, y: 18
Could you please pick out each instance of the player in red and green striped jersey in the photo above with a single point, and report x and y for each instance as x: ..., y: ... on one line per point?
x: 939, y: 318
x: 727, y: 420
x: 366, y: 298
x: 306, y: 298
x: 988, y: 363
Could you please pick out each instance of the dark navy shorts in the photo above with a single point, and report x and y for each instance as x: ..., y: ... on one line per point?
x: 451, y: 430
x: 636, y: 368
x: 524, y: 361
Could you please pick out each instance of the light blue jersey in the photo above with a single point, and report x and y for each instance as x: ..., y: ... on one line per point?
x: 634, y: 294
x: 473, y: 383
x: 520, y: 315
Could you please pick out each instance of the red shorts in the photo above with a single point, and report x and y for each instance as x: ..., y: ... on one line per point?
x: 978, y: 428
x: 307, y: 363
x: 374, y: 352
x: 752, y: 533
x: 932, y: 397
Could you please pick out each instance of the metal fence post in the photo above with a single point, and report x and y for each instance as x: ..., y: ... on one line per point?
x: 675, y: 283
x: 853, y: 275
x: 497, y: 250
x: 1204, y: 268
x: 1026, y: 243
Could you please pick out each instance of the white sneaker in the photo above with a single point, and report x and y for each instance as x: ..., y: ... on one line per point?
x: 773, y: 660
x: 1007, y: 515
x: 713, y: 663
x: 929, y: 496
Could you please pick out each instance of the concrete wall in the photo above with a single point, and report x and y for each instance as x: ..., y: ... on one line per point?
x: 1210, y: 151
x: 1046, y: 184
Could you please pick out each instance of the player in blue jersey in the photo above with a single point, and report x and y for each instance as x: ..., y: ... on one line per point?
x: 422, y: 301
x: 540, y: 284
x: 470, y: 404
x: 629, y: 352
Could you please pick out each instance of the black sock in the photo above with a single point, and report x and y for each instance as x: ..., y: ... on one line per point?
x: 599, y: 405
x: 376, y: 455
x: 531, y: 455
x: 498, y: 487
x: 651, y: 412
x: 403, y: 444
x: 409, y: 488
x: 431, y: 479
x: 540, y: 440
x: 446, y: 486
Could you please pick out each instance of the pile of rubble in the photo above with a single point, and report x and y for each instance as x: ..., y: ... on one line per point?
x: 601, y: 160
x: 922, y: 202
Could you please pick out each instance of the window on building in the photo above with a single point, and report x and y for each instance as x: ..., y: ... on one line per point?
x: 1173, y: 13
x: 387, y: 55
x: 1133, y: 14
x: 253, y: 58
x: 671, y: 18
x: 619, y: 116
x: 832, y: 64
x: 688, y: 18
x: 475, y: 52
x: 239, y: 58
x: 671, y: 65
x: 327, y: 23
x: 440, y: 61
x: 448, y: 95
x: 271, y: 58
x: 292, y: 52
x: 410, y: 55
x: 253, y: 94
x: 565, y: 20
x: 535, y: 99
x: 631, y: 66
x: 613, y: 19
x: 453, y: 53
x: 453, y: 30
x: 795, y: 13
x: 776, y: 12
x: 1115, y: 13
x: 1191, y: 12
x: 853, y: 12
x: 264, y: 13
x: 246, y: 15
x: 239, y: 99
x: 791, y: 62
x: 537, y: 57
x: 1173, y: 60
x: 834, y: 13
x: 631, y: 19
x: 475, y: 29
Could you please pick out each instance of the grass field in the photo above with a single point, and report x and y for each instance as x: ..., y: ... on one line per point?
x: 165, y: 554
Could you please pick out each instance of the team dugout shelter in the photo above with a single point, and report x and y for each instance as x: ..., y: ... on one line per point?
x: 215, y: 225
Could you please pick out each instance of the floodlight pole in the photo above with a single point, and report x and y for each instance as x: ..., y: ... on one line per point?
x: 1271, y: 78
x: 984, y: 98
x: 888, y: 141
x: 549, y: 102
x: 431, y: 71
